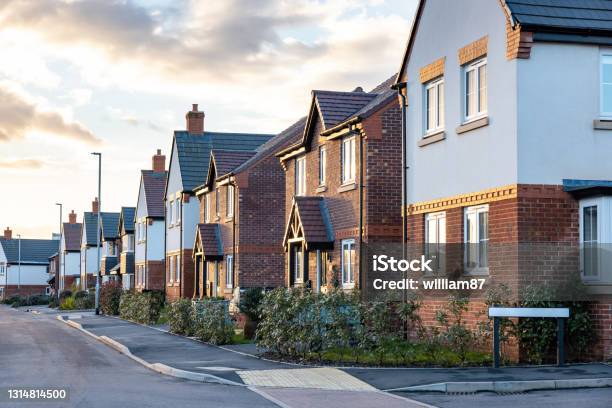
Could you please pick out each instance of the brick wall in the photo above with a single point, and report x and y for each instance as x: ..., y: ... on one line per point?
x: 155, y: 276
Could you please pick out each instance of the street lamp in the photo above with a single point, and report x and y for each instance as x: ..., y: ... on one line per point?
x: 19, y: 265
x: 58, y: 275
x: 98, y: 230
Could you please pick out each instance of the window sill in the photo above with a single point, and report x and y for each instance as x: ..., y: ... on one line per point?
x: 321, y: 189
x: 347, y: 187
x: 477, y: 272
x: 472, y: 124
x: 432, y: 138
x: 227, y: 290
x: 348, y: 286
x: 229, y: 218
x: 602, y: 124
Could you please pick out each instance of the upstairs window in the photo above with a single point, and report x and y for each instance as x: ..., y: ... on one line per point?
x: 606, y: 86
x: 300, y: 176
x: 475, y: 86
x: 218, y: 202
x: 322, y: 164
x: 348, y: 160
x: 229, y: 211
x: 171, y: 212
x: 177, y: 208
x: 207, y: 208
x: 434, y: 106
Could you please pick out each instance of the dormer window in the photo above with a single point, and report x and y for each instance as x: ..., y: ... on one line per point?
x: 300, y: 176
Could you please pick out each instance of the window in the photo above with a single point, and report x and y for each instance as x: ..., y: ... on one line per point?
x: 110, y: 248
x: 171, y: 213
x: 2, y: 270
x: 300, y: 176
x: 207, y: 208
x: 322, y: 163
x: 177, y: 265
x: 348, y: 160
x: 606, y: 86
x: 229, y: 271
x: 475, y: 86
x: 171, y: 268
x: 596, y: 238
x: 229, y: 211
x: 218, y: 202
x: 477, y: 239
x: 128, y: 243
x: 177, y: 208
x: 434, y: 106
x: 590, y: 264
x: 298, y: 263
x: 143, y: 232
x: 348, y: 263
x: 435, y: 239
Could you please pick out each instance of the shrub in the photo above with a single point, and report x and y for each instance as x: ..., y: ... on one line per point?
x: 65, y: 294
x: 84, y: 300
x: 68, y: 304
x: 180, y: 317
x: 457, y: 335
x: 141, y: 308
x: 250, y: 302
x: 212, y: 322
x: 110, y: 296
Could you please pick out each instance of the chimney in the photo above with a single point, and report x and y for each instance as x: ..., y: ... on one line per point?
x: 159, y: 162
x: 195, y: 121
x: 72, y: 217
x: 8, y: 234
x: 95, y: 206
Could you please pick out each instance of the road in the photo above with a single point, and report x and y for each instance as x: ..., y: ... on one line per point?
x: 36, y: 350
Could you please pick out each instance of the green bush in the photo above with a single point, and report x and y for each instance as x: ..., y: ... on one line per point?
x: 212, y: 322
x: 250, y: 302
x: 180, y: 317
x: 32, y: 300
x: 142, y: 307
x: 84, y: 300
x: 68, y: 304
x: 110, y: 297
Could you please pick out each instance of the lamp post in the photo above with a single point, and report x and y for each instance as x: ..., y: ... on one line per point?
x: 59, y: 278
x: 98, y: 230
x: 19, y: 264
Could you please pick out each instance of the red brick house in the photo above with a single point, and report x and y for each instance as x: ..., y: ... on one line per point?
x: 238, y: 241
x: 343, y: 174
x: 512, y: 178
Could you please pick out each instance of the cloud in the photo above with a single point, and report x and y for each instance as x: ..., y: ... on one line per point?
x: 19, y: 115
x: 22, y: 164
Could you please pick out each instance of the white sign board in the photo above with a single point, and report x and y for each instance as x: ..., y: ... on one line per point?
x: 528, y: 312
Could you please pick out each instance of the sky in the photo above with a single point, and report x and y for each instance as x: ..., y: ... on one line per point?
x: 117, y: 77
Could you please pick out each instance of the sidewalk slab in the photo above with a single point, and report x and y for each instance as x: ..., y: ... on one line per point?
x: 320, y: 378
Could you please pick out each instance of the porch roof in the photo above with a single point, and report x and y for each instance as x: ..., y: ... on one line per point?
x: 310, y: 220
x: 208, y: 240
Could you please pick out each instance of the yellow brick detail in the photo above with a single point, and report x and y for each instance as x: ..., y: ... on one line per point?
x: 433, y: 70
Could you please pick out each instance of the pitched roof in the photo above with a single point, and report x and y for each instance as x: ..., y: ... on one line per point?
x: 335, y: 107
x: 110, y: 225
x: 72, y: 236
x: 209, y: 237
x: 154, y: 184
x: 194, y: 151
x: 552, y: 20
x: 33, y: 251
x: 287, y: 137
x: 314, y: 220
x: 90, y: 225
x: 126, y: 219
x: 228, y: 160
x: 577, y: 15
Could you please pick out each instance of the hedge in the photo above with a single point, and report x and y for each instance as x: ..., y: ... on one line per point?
x: 208, y: 320
x: 110, y: 297
x: 142, y: 307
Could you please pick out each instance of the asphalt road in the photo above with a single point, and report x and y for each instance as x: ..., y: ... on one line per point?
x: 579, y: 398
x: 38, y: 351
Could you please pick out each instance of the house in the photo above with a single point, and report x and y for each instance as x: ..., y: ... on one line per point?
x: 189, y: 162
x: 89, y: 250
x: 110, y: 242
x: 54, y: 277
x: 509, y: 140
x: 342, y: 177
x: 24, y: 265
x: 125, y: 266
x: 70, y: 254
x: 150, y: 226
x: 238, y: 242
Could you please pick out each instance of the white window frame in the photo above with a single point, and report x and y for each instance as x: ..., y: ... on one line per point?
x: 322, y: 164
x: 604, y: 238
x: 207, y: 201
x: 475, y: 210
x: 480, y: 110
x: 177, y: 209
x: 439, y: 219
x: 171, y: 268
x: 229, y: 211
x: 348, y: 170
x: 298, y: 263
x: 218, y: 202
x: 300, y: 176
x: 605, y: 55
x: 2, y: 270
x: 177, y: 266
x: 171, y: 212
x: 348, y: 276
x: 437, y: 104
x: 229, y: 274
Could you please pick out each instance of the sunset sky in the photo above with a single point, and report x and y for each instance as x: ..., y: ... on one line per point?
x: 118, y: 76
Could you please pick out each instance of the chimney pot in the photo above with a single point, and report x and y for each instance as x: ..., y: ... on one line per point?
x: 195, y: 121
x: 159, y: 162
x: 8, y: 234
x: 72, y: 217
x: 95, y: 205
x: 194, y: 107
